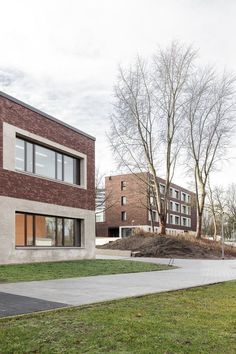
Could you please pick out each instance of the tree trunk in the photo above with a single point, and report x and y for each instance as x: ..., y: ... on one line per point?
x: 199, y: 226
x: 162, y: 227
x: 200, y: 204
x: 215, y: 226
x: 152, y: 221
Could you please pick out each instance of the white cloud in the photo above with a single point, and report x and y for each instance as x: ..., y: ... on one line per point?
x: 61, y: 56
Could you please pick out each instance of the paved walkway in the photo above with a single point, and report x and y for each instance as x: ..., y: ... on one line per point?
x: 81, y: 291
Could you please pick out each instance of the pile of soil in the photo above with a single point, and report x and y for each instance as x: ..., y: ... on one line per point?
x: 152, y: 245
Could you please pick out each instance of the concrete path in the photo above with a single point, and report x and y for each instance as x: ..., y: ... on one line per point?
x: 81, y: 291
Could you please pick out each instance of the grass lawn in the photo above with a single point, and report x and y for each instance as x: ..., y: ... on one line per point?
x: 70, y: 269
x: 200, y: 320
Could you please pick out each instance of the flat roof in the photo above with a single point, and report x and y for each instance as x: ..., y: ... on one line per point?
x: 172, y: 184
x: 5, y: 95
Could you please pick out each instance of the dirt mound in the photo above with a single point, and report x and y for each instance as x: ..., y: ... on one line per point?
x: 152, y: 245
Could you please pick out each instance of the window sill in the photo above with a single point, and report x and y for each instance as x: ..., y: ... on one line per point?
x: 51, y: 179
x: 47, y: 248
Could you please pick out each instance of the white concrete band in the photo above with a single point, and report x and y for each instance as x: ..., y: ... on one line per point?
x: 9, y: 253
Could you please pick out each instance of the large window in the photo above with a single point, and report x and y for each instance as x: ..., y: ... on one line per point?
x: 46, y: 162
x: 49, y: 231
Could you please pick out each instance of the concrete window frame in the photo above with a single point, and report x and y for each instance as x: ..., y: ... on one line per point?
x: 11, y: 132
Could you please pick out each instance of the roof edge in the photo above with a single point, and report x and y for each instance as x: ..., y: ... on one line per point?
x: 26, y: 105
x: 145, y: 172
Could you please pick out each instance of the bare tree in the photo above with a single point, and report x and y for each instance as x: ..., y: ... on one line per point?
x: 216, y: 205
x: 149, y: 109
x: 219, y: 201
x: 210, y: 123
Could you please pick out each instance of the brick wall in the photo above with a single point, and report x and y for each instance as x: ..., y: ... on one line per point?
x: 193, y: 215
x: 14, y: 184
x: 135, y: 192
x: 136, y: 207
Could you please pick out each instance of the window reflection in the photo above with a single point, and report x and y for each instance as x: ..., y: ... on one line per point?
x: 20, y: 154
x: 59, y: 232
x: 29, y: 159
x: 49, y: 231
x: 59, y: 166
x: 68, y: 169
x: 68, y: 232
x: 45, y: 231
x: 20, y: 229
x: 29, y: 230
x: 44, y: 162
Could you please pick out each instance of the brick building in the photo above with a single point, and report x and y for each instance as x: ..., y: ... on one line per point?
x: 47, y: 196
x: 127, y: 207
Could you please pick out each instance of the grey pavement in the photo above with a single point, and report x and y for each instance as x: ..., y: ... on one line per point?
x: 88, y: 290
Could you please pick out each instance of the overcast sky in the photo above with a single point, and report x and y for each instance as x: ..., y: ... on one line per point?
x: 61, y: 56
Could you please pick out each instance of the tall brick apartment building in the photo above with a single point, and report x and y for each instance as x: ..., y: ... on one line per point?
x: 47, y: 196
x: 127, y: 207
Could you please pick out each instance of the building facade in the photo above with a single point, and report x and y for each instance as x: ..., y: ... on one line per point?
x: 47, y: 195
x: 131, y: 207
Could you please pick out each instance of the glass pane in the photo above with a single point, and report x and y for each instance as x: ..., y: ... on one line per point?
x: 59, y: 166
x: 59, y: 232
x: 29, y: 154
x: 69, y: 232
x: 20, y: 154
x: 68, y: 169
x: 45, y: 230
x: 29, y: 229
x: 20, y: 229
x: 44, y: 162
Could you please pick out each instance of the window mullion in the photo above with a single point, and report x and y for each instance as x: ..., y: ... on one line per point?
x: 25, y: 221
x: 33, y: 162
x: 56, y: 165
x: 78, y: 168
x: 62, y: 166
x: 75, y: 172
x: 56, y: 230
x: 74, y: 228
x: 63, y: 232
x: 34, y: 230
x: 25, y: 155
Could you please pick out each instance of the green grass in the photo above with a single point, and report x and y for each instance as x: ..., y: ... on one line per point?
x: 200, y: 320
x: 71, y: 269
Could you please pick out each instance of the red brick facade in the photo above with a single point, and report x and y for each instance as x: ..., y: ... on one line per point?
x: 20, y: 185
x: 136, y: 207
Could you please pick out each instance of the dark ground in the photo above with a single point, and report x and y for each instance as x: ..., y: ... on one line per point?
x: 152, y: 245
x: 11, y: 305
